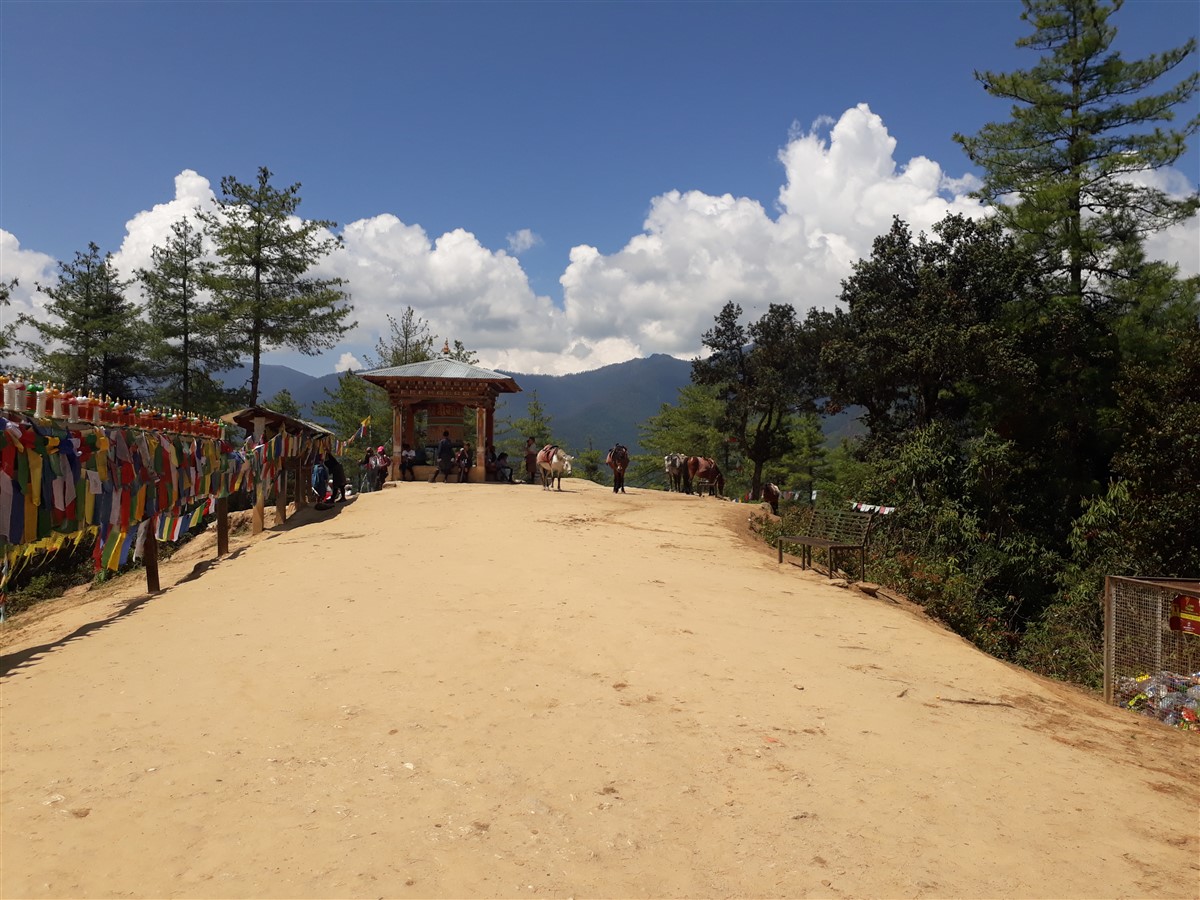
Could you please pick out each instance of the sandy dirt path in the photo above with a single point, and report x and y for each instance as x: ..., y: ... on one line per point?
x: 492, y: 691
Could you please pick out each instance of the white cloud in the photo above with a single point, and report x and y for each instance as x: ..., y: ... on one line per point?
x: 29, y: 268
x: 663, y: 289
x: 152, y: 227
x: 842, y: 184
x: 520, y: 241
x: 347, y: 362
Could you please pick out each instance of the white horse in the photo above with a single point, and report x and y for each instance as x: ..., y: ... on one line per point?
x: 675, y: 465
x: 553, y: 462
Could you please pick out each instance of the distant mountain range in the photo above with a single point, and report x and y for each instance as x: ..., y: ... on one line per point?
x: 596, y: 408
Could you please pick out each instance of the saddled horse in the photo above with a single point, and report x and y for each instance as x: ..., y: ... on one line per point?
x: 770, y: 494
x: 618, y: 461
x: 553, y: 462
x: 675, y: 465
x: 705, y: 475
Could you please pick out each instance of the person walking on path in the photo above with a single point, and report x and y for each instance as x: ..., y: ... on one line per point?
x: 531, y: 453
x: 445, y: 458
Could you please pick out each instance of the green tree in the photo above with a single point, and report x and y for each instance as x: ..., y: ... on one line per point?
x: 284, y: 402
x: 535, y: 423
x: 98, y: 342
x: 762, y: 374
x: 926, y: 336
x: 8, y: 332
x: 1083, y: 122
x: 188, y: 340
x: 351, y: 402
x: 460, y: 353
x: 408, y: 341
x: 270, y: 299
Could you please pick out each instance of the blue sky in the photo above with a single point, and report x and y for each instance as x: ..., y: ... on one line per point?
x: 559, y: 185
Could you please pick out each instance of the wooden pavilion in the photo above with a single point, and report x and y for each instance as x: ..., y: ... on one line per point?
x: 443, y: 389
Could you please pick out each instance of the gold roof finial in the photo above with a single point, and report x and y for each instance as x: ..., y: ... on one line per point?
x: 446, y: 348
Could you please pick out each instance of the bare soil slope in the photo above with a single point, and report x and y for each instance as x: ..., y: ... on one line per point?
x: 484, y: 690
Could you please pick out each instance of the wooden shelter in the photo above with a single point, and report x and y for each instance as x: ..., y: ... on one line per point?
x: 266, y: 425
x: 443, y: 389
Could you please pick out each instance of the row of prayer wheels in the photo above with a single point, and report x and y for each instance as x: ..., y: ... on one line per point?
x: 48, y: 401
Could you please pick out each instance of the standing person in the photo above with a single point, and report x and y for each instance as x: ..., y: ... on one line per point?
x: 338, y: 474
x: 367, y: 482
x: 408, y: 462
x: 531, y: 452
x: 382, y: 462
x: 462, y: 462
x: 320, y: 480
x: 445, y: 458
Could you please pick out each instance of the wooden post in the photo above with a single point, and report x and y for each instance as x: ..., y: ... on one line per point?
x: 397, y: 440
x: 481, y: 441
x: 222, y: 526
x: 281, y: 493
x: 260, y: 503
x: 150, y: 557
x: 303, y: 481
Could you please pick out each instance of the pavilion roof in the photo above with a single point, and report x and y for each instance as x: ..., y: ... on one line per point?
x: 441, y: 369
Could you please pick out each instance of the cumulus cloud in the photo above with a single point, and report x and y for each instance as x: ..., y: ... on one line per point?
x: 152, y: 227
x: 841, y: 184
x: 347, y: 362
x: 28, y: 268
x: 520, y: 241
x: 697, y: 251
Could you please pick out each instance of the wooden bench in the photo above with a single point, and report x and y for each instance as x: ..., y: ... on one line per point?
x: 831, y: 530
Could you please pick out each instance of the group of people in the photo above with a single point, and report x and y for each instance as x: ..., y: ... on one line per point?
x: 375, y: 466
x: 329, y: 477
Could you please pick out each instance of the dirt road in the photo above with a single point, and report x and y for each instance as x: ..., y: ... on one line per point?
x: 486, y: 691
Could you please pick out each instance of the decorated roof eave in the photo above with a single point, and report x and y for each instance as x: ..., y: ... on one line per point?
x: 244, y: 418
x: 436, y: 387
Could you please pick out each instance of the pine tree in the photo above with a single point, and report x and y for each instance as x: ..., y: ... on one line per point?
x: 266, y: 254
x: 97, y: 343
x: 189, y: 343
x: 7, y: 332
x: 408, y: 341
x: 1084, y: 124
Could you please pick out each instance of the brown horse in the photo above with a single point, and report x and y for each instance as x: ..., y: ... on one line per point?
x: 618, y: 461
x: 704, y: 474
x: 770, y: 494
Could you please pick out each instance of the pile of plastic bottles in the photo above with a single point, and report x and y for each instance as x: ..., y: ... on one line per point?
x: 1172, y: 699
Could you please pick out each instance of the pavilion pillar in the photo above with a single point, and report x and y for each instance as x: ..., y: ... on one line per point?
x: 482, y: 438
x: 397, y: 439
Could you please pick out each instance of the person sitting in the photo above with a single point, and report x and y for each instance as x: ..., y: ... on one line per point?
x: 504, y: 472
x: 408, y: 462
x: 489, y: 462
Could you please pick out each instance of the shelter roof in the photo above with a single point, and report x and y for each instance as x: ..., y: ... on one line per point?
x: 244, y: 418
x: 441, y: 369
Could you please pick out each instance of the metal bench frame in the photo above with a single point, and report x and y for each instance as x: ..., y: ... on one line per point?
x: 832, y: 530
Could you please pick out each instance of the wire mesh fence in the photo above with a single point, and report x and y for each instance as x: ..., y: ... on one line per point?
x: 1152, y: 647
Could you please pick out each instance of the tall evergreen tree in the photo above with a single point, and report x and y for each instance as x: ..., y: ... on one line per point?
x: 408, y: 341
x: 1084, y: 122
x: 8, y: 332
x: 266, y: 255
x: 535, y: 423
x: 763, y: 374
x: 98, y: 342
x: 189, y: 342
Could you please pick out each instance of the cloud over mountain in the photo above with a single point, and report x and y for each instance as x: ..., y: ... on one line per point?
x: 842, y: 184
